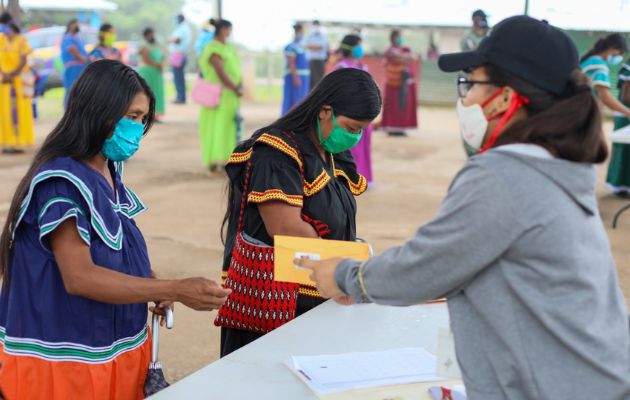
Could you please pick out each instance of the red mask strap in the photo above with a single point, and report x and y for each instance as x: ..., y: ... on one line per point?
x: 516, y: 103
x: 494, y: 96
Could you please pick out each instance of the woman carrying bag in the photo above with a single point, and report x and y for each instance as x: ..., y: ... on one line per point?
x: 295, y: 177
x: 518, y: 246
x: 221, y: 73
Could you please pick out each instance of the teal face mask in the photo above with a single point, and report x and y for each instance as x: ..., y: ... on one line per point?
x: 400, y: 41
x: 339, y: 139
x: 614, y: 59
x: 357, y: 52
x: 125, y: 141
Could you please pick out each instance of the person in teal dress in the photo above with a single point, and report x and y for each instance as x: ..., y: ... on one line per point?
x: 608, y: 51
x: 151, y: 67
x: 618, y: 176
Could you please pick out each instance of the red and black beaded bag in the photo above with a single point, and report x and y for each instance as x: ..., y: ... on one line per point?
x: 257, y: 303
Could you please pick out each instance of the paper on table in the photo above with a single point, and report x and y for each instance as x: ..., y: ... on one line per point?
x: 287, y: 248
x: 341, y: 372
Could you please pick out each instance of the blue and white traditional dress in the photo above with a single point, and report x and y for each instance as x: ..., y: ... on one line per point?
x: 596, y: 68
x: 59, y: 346
x: 293, y: 94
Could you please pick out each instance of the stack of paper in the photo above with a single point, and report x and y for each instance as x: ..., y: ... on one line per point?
x: 341, y: 372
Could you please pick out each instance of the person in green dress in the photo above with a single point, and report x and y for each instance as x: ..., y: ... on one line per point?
x: 151, y: 66
x: 220, y: 64
x: 618, y: 178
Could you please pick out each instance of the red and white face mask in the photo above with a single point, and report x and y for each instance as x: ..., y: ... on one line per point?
x: 473, y: 123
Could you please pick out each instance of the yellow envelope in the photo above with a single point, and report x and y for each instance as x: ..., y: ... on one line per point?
x: 288, y: 248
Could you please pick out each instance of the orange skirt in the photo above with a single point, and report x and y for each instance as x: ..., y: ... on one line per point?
x: 27, y: 377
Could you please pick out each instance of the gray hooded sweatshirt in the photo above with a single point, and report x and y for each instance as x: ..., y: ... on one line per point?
x: 519, y: 249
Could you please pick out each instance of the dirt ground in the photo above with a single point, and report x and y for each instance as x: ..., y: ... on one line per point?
x: 186, y: 206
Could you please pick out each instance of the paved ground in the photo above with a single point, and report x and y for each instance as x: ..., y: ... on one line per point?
x: 186, y: 206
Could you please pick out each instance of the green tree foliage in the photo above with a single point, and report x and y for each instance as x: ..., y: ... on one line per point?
x: 132, y: 16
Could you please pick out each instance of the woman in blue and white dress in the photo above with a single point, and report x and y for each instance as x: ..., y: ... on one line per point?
x: 608, y: 52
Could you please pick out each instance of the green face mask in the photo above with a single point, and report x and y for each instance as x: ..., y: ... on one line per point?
x: 339, y: 139
x: 109, y: 39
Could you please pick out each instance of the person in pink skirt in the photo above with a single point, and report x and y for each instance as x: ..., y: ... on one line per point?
x: 351, y: 51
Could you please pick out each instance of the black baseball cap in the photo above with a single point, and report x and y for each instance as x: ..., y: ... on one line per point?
x: 479, y: 13
x: 533, y: 50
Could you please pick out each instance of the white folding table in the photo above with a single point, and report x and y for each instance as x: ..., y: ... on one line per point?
x: 257, y: 371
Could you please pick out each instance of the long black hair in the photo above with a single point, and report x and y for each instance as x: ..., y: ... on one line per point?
x: 350, y: 92
x: 97, y: 101
x: 613, y: 41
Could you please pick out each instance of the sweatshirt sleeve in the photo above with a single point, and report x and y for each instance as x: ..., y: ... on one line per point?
x: 474, y: 226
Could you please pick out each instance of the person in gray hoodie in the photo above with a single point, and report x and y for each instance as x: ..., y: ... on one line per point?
x: 518, y: 246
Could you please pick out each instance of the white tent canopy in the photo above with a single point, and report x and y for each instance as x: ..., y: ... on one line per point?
x: 257, y: 28
x: 73, y: 5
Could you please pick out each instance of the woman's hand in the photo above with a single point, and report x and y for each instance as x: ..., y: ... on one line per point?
x: 201, y: 294
x: 324, y: 277
x: 160, y: 309
x: 297, y: 82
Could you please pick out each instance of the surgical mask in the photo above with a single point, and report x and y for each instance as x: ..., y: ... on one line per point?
x: 109, y: 38
x: 472, y: 126
x: 339, y: 139
x: 473, y: 123
x: 125, y: 141
x: 615, y: 59
x: 400, y: 41
x: 357, y: 51
x: 481, y: 24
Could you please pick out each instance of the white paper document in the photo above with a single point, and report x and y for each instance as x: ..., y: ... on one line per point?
x: 341, y: 372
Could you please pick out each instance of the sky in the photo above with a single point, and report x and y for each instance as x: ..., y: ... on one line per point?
x: 266, y: 24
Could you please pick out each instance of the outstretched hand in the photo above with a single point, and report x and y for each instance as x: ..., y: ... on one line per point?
x: 323, y: 274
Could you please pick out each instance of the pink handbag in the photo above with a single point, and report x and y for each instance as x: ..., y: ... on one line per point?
x: 206, y: 94
x: 176, y: 58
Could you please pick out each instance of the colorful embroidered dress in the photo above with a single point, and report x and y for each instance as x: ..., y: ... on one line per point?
x: 326, y: 197
x: 292, y: 94
x: 55, y: 345
x: 399, y: 103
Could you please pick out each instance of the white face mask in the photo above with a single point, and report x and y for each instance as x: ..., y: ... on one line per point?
x: 473, y: 126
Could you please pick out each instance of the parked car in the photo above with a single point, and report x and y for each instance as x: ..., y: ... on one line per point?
x: 46, y: 56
